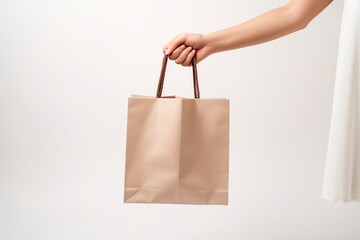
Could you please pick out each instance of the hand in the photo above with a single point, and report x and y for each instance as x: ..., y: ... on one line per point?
x: 185, y: 46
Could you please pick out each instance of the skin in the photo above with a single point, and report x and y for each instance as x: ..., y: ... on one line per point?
x: 276, y: 23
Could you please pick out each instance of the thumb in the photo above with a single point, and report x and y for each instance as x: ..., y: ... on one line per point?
x: 174, y: 43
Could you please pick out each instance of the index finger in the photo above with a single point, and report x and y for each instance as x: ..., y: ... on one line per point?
x: 174, y: 43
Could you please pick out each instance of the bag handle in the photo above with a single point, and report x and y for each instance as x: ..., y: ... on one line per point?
x: 162, y: 77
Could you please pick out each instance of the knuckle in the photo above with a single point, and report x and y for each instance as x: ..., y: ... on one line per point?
x: 183, y: 34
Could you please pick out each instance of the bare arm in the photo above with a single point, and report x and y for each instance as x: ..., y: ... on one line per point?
x: 276, y: 23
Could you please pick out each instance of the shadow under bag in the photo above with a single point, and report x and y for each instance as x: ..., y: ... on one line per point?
x: 177, y: 148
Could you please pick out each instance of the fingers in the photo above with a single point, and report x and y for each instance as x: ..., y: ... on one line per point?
x: 177, y: 52
x: 183, y: 55
x: 175, y: 43
x: 187, y: 61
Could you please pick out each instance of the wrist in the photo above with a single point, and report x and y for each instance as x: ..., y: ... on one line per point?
x: 210, y: 43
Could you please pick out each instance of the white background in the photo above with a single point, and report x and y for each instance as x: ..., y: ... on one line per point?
x: 66, y: 70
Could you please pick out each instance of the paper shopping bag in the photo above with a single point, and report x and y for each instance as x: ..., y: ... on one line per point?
x: 177, y: 148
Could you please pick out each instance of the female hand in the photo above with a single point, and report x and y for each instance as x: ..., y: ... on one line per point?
x: 273, y: 24
x: 183, y: 47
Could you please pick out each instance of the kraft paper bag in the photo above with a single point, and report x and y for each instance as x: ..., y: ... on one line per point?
x: 177, y: 148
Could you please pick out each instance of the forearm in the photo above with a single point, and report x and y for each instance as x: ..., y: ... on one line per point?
x: 273, y: 24
x: 281, y: 21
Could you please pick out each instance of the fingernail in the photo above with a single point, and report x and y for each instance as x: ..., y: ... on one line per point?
x: 167, y: 51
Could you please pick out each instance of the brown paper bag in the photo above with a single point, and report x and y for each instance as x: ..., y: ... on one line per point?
x: 177, y: 149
